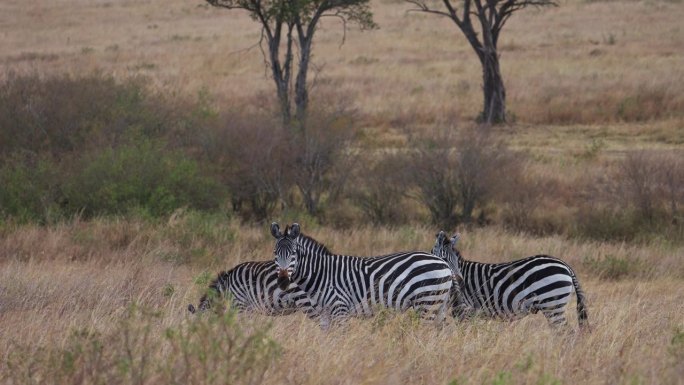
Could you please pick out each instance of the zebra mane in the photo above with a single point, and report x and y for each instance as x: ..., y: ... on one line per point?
x: 308, y: 242
x: 458, y: 254
x: 448, y: 243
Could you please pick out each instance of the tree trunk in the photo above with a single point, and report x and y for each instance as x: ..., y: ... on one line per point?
x: 282, y: 73
x: 494, y: 107
x: 301, y: 91
x: 468, y: 207
x: 284, y: 101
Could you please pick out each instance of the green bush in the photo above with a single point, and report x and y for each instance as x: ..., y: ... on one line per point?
x: 143, y: 176
x: 29, y: 190
x: 92, y: 145
x: 605, y: 224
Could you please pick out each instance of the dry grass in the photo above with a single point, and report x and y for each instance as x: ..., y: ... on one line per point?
x: 583, y: 62
x: 586, y: 81
x: 51, y: 285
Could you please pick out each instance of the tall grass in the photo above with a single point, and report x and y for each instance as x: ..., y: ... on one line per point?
x: 67, y: 317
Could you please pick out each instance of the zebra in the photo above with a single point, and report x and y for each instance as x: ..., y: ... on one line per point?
x: 344, y: 286
x: 253, y: 287
x: 514, y: 289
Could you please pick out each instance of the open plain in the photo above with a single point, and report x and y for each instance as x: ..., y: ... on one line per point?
x: 104, y: 300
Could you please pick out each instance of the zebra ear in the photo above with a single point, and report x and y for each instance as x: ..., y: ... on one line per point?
x: 294, y: 231
x: 455, y: 239
x: 275, y: 230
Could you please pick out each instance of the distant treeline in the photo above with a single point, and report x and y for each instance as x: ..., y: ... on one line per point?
x: 95, y: 146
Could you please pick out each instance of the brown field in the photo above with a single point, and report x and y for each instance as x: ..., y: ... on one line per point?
x: 587, y: 82
x: 584, y: 62
x: 82, y: 276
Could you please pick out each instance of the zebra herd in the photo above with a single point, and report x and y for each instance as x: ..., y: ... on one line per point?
x: 305, y: 276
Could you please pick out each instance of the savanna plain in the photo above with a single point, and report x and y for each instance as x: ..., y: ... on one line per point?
x: 596, y: 100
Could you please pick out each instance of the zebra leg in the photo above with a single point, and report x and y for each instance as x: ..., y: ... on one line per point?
x: 335, y: 314
x: 434, y: 308
x: 555, y: 315
x: 325, y: 319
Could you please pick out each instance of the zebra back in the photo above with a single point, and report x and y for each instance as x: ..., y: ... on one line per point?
x: 514, y: 289
x: 252, y: 286
x: 349, y: 285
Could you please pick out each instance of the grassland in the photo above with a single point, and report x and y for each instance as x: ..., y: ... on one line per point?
x: 587, y: 82
x: 83, y: 276
x: 579, y: 63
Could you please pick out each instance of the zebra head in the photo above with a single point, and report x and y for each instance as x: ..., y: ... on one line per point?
x: 445, y: 248
x: 285, y: 253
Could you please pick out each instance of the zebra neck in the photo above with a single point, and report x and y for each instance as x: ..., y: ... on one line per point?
x: 466, y: 264
x: 314, y: 259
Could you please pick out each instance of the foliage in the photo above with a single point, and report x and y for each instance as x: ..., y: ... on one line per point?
x: 470, y: 176
x: 323, y: 163
x: 651, y: 183
x: 490, y: 16
x: 143, y: 175
x: 250, y: 157
x: 676, y: 348
x: 296, y: 22
x: 63, y: 114
x: 378, y: 189
x: 211, y: 349
x: 639, y: 199
x: 92, y: 145
x: 30, y: 189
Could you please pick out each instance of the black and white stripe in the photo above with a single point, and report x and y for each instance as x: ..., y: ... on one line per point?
x: 514, y: 289
x: 344, y: 286
x: 253, y: 287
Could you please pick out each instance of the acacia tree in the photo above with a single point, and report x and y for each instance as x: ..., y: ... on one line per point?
x: 290, y: 24
x: 491, y: 15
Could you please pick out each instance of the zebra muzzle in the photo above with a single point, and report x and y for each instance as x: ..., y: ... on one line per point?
x: 283, y: 279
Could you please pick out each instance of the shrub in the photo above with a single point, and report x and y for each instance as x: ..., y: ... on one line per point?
x: 322, y: 163
x: 218, y: 349
x: 637, y: 177
x: 72, y: 144
x: 533, y: 204
x: 430, y: 172
x: 676, y: 352
x: 652, y: 183
x: 485, y: 167
x: 249, y: 154
x: 638, y: 199
x: 264, y: 164
x: 30, y: 189
x: 604, y: 223
x: 143, y: 175
x: 204, y: 350
x: 378, y: 189
x: 63, y: 114
x: 468, y: 175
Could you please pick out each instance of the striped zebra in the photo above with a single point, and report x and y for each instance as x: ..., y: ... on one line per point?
x: 253, y: 287
x: 343, y: 286
x: 514, y: 289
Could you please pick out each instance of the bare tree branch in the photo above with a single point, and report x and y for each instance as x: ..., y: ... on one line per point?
x: 491, y: 16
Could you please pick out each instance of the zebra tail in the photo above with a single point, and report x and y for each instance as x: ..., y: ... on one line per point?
x: 582, y: 316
